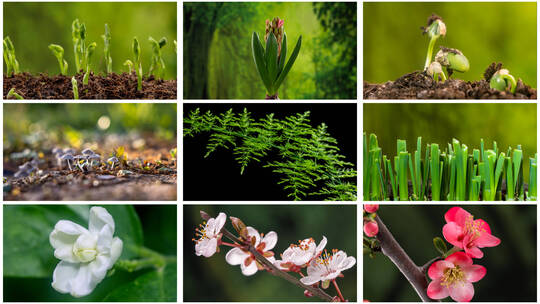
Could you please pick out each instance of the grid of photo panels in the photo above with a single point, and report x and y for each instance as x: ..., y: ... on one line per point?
x: 205, y: 151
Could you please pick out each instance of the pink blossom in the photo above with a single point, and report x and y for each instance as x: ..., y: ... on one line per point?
x: 246, y: 260
x: 464, y: 232
x: 453, y: 277
x: 371, y: 208
x: 280, y: 23
x: 371, y: 228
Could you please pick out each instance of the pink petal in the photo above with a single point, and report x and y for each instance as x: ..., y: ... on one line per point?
x: 487, y: 240
x: 371, y: 228
x: 253, y: 232
x: 483, y: 225
x: 459, y: 258
x: 462, y: 216
x: 474, y: 252
x: 461, y: 292
x: 452, y: 233
x: 436, y: 291
x: 270, y: 240
x: 310, y: 280
x: 450, y: 215
x: 474, y: 273
x: 371, y: 208
x: 436, y: 270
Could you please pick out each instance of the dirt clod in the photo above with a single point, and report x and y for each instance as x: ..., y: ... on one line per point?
x: 112, y: 86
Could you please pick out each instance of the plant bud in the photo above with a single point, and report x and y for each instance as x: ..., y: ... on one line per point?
x: 307, y: 293
x: 371, y: 228
x: 240, y: 227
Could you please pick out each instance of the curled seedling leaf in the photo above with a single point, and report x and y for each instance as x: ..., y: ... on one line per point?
x: 58, y: 52
x: 89, y: 52
x: 157, y: 61
x: 435, y: 70
x: 435, y: 28
x: 9, y: 57
x: 129, y: 64
x: 502, y: 80
x: 136, y: 48
x: 13, y: 95
x: 107, y: 49
x: 452, y: 60
x: 75, y: 88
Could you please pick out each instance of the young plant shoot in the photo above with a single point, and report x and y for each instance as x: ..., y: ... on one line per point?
x: 157, y: 62
x: 88, y: 55
x: 58, y: 52
x: 435, y: 70
x: 138, y: 64
x: 75, y: 88
x: 435, y: 29
x: 9, y: 57
x: 107, y: 49
x: 78, y: 34
x: 452, y: 60
x: 502, y: 80
x: 12, y: 94
x: 270, y: 62
x: 129, y: 64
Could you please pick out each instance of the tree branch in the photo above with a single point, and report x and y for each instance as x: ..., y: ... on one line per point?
x: 272, y: 269
x: 391, y: 248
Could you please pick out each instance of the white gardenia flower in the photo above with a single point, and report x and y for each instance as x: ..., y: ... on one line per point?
x: 86, y: 254
x: 246, y: 260
x: 209, y: 236
x: 327, y: 267
x: 301, y: 254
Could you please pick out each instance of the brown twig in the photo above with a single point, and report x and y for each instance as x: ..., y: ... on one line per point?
x: 272, y: 269
x: 391, y: 248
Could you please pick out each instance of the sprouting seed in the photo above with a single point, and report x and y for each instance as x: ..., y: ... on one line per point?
x: 78, y: 32
x: 435, y: 70
x: 89, y: 52
x: 58, y: 52
x: 75, y: 88
x: 107, y: 49
x: 502, y: 80
x: 434, y: 29
x: 9, y: 57
x: 13, y: 94
x: 138, y: 64
x: 129, y: 64
x: 452, y: 60
x: 157, y: 61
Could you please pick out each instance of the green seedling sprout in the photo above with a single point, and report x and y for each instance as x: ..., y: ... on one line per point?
x: 107, y: 49
x: 435, y: 29
x: 502, y: 80
x: 137, y: 59
x: 58, y: 52
x: 157, y: 61
x: 532, y: 193
x: 13, y: 94
x: 78, y: 34
x: 129, y: 64
x: 75, y: 88
x: 88, y: 55
x: 435, y: 70
x: 270, y: 61
x: 9, y: 57
x: 452, y: 60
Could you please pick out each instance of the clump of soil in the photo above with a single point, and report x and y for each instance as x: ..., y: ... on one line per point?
x: 112, y: 86
x: 418, y: 85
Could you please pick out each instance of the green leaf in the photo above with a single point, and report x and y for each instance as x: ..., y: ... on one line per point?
x: 283, y: 53
x: 153, y: 286
x: 289, y: 65
x: 27, y: 252
x: 258, y: 56
x: 271, y: 56
x: 440, y: 245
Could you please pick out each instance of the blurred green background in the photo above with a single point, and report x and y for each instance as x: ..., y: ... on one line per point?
x: 29, y: 259
x: 225, y: 283
x: 485, y: 32
x: 507, y: 124
x: 511, y: 266
x: 33, y: 26
x: 32, y: 125
x: 218, y: 62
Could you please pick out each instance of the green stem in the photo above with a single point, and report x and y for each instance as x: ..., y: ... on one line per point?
x: 149, y: 259
x: 430, y: 52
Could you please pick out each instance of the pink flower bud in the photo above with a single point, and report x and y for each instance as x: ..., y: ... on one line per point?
x: 371, y: 208
x: 308, y: 294
x: 371, y: 228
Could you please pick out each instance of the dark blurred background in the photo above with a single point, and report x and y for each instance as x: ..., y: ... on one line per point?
x: 225, y: 283
x: 485, y: 32
x: 507, y: 124
x: 511, y: 266
x: 32, y: 26
x: 218, y: 62
x: 221, y: 171
x: 38, y: 125
x: 159, y: 233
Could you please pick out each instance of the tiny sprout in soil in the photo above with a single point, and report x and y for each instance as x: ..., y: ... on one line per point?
x: 453, y: 174
x: 112, y: 86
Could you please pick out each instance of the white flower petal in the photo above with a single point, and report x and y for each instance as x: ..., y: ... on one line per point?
x: 310, y: 280
x: 270, y: 239
x: 99, y: 267
x: 348, y: 263
x: 63, y: 274
x: 321, y: 246
x: 253, y: 232
x: 219, y: 223
x: 236, y: 256
x: 206, y: 247
x: 83, y: 283
x: 99, y: 217
x: 63, y: 237
x: 105, y: 239
x: 116, y: 250
x: 249, y: 270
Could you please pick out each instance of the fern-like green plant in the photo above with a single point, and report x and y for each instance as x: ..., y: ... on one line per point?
x: 308, y: 165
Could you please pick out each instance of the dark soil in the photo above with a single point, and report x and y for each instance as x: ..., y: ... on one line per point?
x: 418, y: 85
x: 112, y: 86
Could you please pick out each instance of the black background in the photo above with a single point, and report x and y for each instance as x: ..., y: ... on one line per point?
x: 217, y: 177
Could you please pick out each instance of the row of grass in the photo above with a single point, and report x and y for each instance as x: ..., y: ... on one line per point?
x: 452, y: 174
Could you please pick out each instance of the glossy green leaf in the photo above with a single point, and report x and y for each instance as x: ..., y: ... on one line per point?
x: 289, y: 64
x: 258, y: 57
x: 153, y: 286
x: 283, y: 56
x: 271, y: 56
